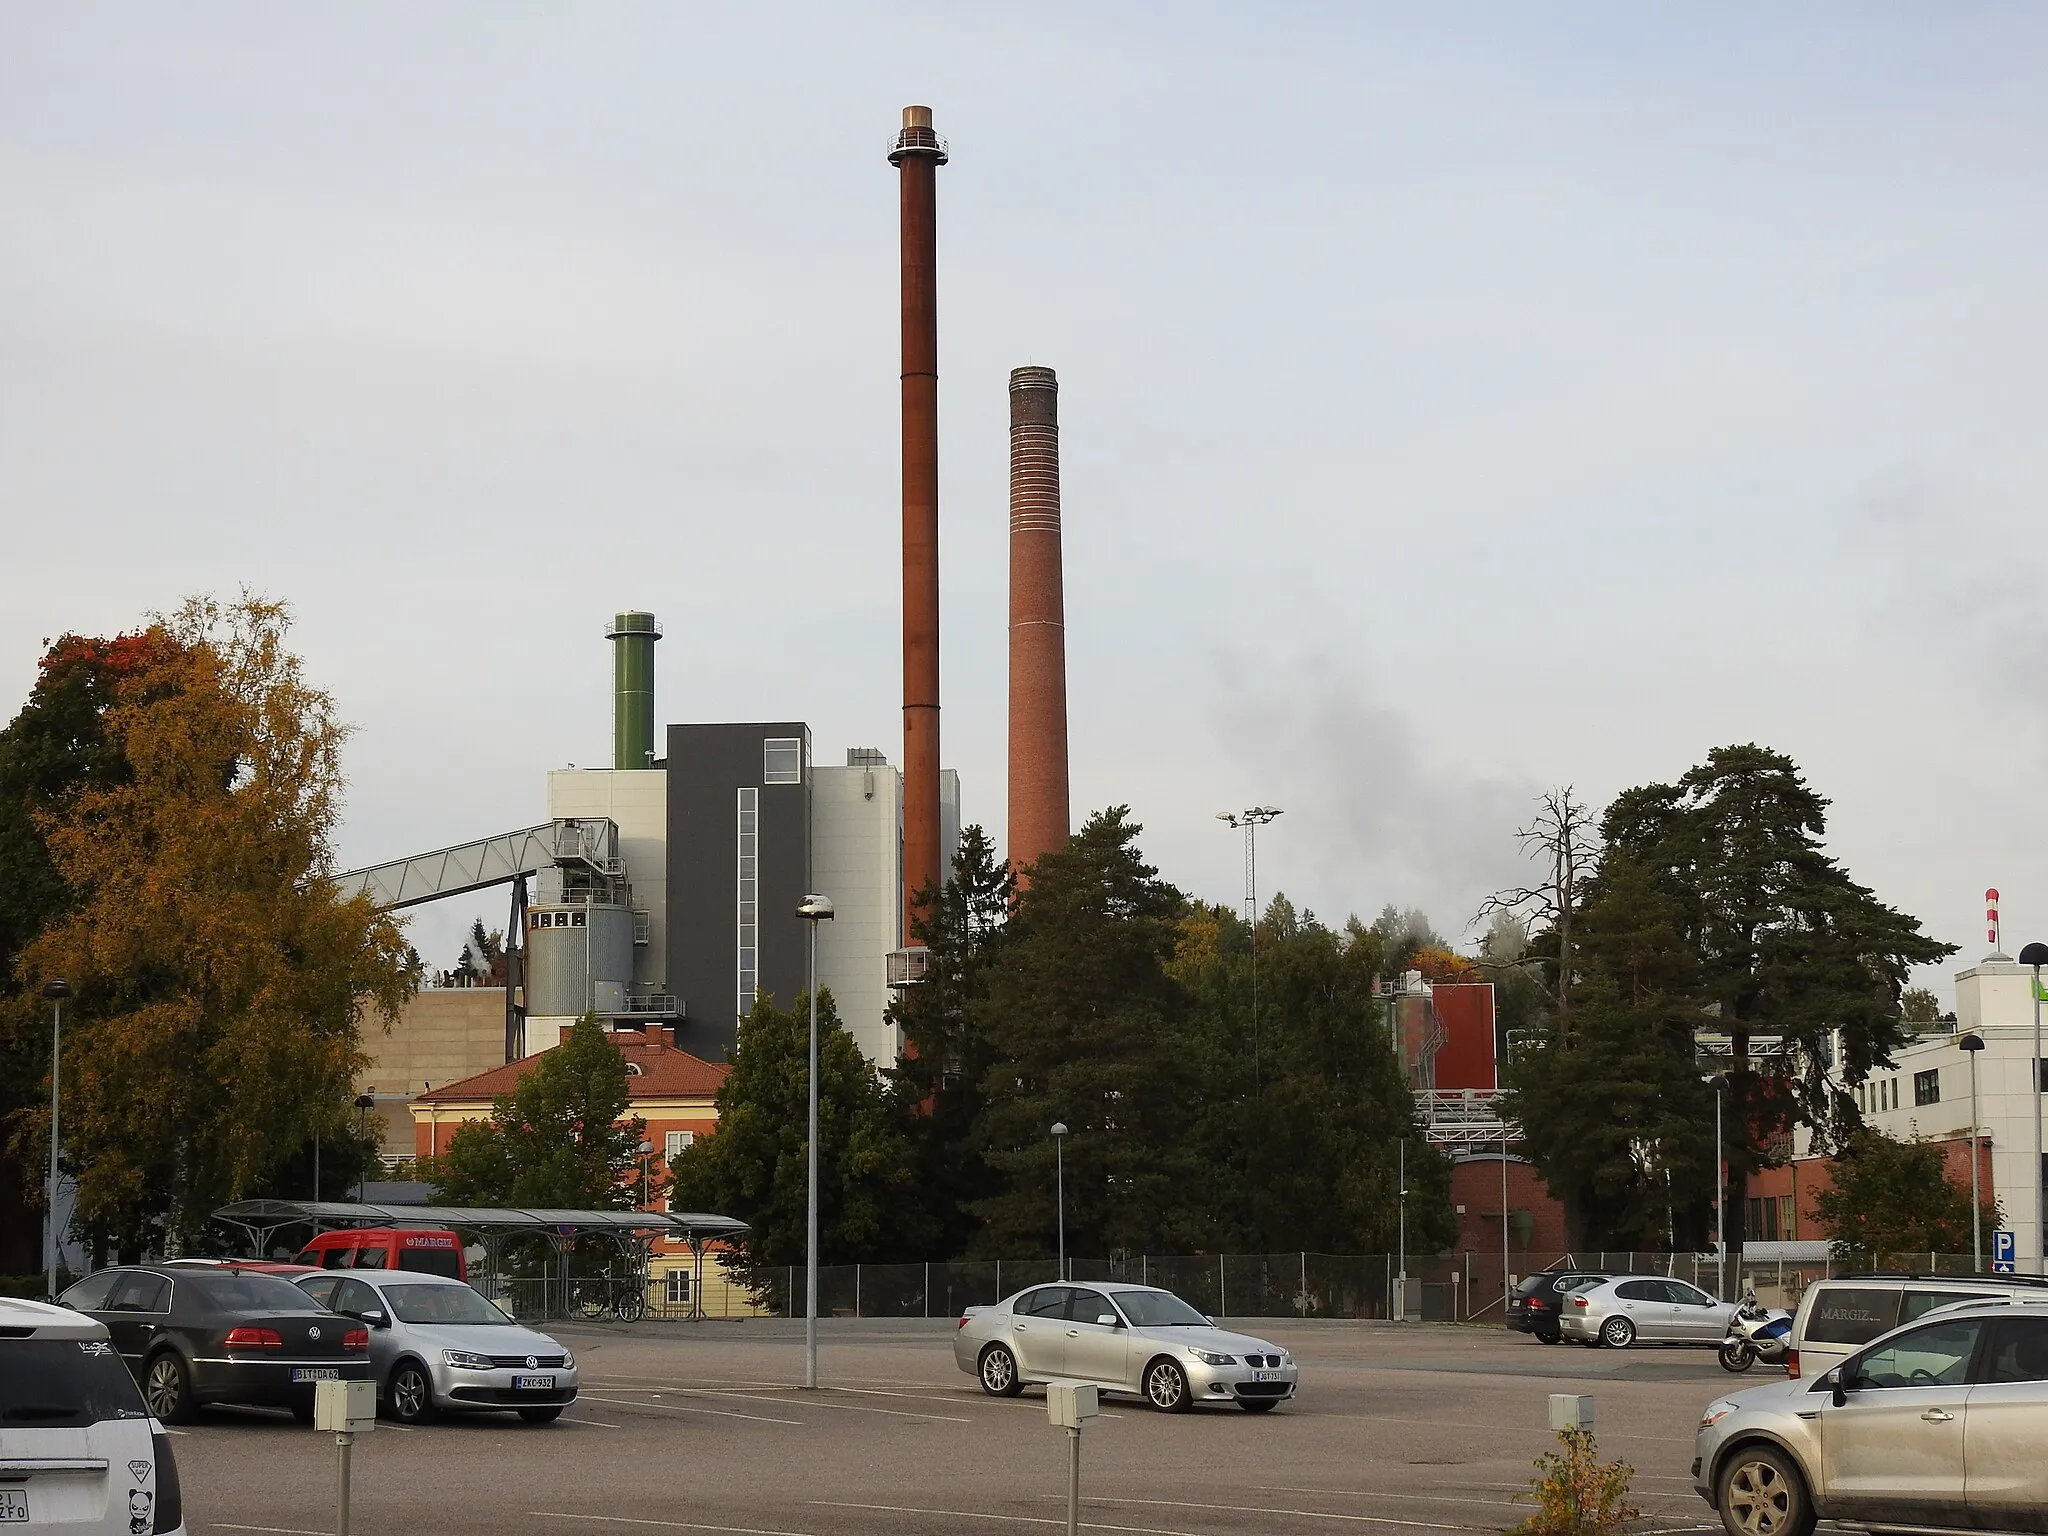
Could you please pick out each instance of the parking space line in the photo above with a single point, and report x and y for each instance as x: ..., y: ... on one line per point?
x: 818, y: 1402
x: 977, y: 1514
x: 721, y: 1413
x: 666, y: 1525
x: 1301, y: 1514
x: 594, y: 1423
x: 269, y: 1530
x: 1374, y: 1493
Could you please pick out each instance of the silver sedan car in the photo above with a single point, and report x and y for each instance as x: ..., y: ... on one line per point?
x: 1941, y: 1424
x: 1649, y: 1308
x: 1123, y: 1338
x: 437, y: 1346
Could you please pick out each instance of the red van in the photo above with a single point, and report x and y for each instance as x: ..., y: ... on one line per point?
x: 428, y: 1253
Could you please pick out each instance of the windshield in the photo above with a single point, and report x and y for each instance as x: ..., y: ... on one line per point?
x: 64, y: 1384
x: 442, y: 1305
x: 244, y: 1292
x: 1157, y: 1309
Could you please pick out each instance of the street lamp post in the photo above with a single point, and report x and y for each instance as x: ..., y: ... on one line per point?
x: 1719, y: 1083
x: 1059, y: 1174
x: 1251, y: 820
x: 2036, y: 955
x: 646, y: 1151
x: 814, y: 909
x: 365, y: 1102
x: 1973, y: 1043
x: 56, y: 991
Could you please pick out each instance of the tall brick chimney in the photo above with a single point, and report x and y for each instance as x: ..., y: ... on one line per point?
x: 917, y: 152
x: 1039, y: 821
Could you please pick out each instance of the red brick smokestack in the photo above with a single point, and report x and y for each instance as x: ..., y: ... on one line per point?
x: 1038, y: 622
x: 917, y: 155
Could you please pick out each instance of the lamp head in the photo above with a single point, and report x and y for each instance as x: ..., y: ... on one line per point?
x: 58, y: 987
x: 1059, y: 1129
x: 2034, y: 954
x: 366, y: 1100
x: 646, y: 1147
x: 815, y: 908
x: 1717, y: 1082
x: 1971, y: 1042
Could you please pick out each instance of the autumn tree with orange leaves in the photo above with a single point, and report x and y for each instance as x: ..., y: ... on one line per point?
x: 219, y: 976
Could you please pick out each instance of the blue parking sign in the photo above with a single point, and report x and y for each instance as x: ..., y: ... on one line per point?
x: 2002, y: 1251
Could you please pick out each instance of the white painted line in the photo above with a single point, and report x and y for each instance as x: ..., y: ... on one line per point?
x: 594, y: 1423
x: 819, y: 1402
x: 1374, y: 1493
x: 1301, y: 1514
x: 270, y: 1530
x: 666, y: 1525
x: 976, y: 1514
x: 719, y: 1413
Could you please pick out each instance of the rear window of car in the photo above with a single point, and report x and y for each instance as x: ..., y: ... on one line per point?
x: 247, y: 1293
x: 1843, y: 1314
x: 64, y: 1384
x: 1919, y: 1303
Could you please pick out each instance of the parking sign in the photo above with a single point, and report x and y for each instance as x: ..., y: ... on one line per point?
x: 2002, y: 1251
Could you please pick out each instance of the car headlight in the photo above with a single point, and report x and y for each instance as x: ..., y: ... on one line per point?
x: 464, y: 1360
x: 1715, y: 1413
x: 1206, y: 1358
x: 568, y: 1361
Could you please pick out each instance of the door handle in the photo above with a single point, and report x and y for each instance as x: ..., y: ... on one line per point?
x: 1023, y: 1327
x: 1073, y: 1333
x: 1938, y: 1416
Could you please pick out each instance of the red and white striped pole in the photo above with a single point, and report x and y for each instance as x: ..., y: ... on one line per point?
x: 1991, y: 918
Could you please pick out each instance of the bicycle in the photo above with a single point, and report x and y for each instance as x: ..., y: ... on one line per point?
x: 603, y: 1296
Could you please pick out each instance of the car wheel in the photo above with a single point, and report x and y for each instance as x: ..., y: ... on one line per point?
x: 1549, y: 1338
x: 167, y: 1388
x: 540, y: 1415
x: 1762, y: 1494
x: 1617, y: 1333
x: 1258, y: 1404
x: 1166, y: 1386
x: 411, y: 1393
x: 998, y: 1372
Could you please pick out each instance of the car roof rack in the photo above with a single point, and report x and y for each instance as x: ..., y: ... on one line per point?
x: 1979, y: 1277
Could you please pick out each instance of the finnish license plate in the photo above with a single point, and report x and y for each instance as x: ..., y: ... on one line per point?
x: 1265, y: 1375
x: 533, y: 1383
x: 315, y: 1373
x: 13, y: 1506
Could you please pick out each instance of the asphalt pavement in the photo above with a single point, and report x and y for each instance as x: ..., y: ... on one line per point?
x: 702, y: 1428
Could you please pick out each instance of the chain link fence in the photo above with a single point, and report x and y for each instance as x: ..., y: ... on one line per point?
x: 1449, y: 1288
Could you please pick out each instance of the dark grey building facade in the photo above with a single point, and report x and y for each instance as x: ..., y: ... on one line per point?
x: 739, y: 862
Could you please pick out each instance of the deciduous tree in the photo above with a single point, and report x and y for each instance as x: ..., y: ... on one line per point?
x: 1895, y: 1197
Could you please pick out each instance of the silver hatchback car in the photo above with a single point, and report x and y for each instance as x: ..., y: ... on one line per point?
x: 1124, y: 1338
x: 438, y: 1346
x: 1649, y: 1308
x: 1941, y: 1425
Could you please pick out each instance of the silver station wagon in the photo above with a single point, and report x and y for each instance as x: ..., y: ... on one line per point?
x: 1124, y: 1338
x: 1941, y: 1425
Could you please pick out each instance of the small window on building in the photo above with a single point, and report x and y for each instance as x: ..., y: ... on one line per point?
x: 677, y: 1289
x: 634, y: 1069
x: 782, y: 760
x: 576, y: 919
x: 676, y: 1141
x: 1788, y: 1218
x: 1927, y: 1086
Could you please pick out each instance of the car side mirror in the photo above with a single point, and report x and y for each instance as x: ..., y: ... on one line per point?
x: 1109, y: 1320
x: 1836, y: 1388
x: 373, y: 1318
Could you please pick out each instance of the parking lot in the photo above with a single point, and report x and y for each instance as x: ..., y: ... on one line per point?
x: 699, y: 1427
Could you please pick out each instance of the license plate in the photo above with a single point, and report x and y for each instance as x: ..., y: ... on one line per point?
x: 315, y: 1373
x: 533, y: 1383
x: 1265, y: 1376
x: 13, y: 1506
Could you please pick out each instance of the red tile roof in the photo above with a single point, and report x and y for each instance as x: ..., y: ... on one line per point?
x: 664, y: 1073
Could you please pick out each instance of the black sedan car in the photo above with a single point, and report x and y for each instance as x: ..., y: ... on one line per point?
x: 1538, y: 1299
x: 205, y: 1333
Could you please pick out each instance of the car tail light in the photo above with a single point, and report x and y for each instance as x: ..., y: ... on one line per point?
x: 356, y: 1338
x: 170, y: 1493
x: 1792, y: 1363
x: 253, y: 1338
x: 961, y: 1324
x: 1578, y: 1301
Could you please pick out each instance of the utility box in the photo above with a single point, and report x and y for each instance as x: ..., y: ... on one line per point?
x: 345, y: 1406
x: 1071, y: 1404
x: 1569, y: 1410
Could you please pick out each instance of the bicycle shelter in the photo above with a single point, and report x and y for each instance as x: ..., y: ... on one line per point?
x: 259, y: 1222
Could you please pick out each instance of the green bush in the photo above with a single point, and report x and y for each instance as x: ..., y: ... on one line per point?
x: 1577, y: 1495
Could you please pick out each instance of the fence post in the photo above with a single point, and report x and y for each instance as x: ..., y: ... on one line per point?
x: 927, y: 1287
x: 1302, y: 1300
x: 856, y: 1290
x: 1222, y: 1296
x: 999, y: 1279
x: 1144, y: 1269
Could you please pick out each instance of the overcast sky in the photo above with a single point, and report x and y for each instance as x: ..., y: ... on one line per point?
x: 1456, y: 401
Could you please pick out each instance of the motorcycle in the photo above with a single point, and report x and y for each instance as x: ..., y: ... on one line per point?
x: 1756, y: 1333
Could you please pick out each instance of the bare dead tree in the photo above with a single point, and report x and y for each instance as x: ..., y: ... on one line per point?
x: 1565, y: 839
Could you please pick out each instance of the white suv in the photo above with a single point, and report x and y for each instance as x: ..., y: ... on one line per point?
x: 79, y: 1453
